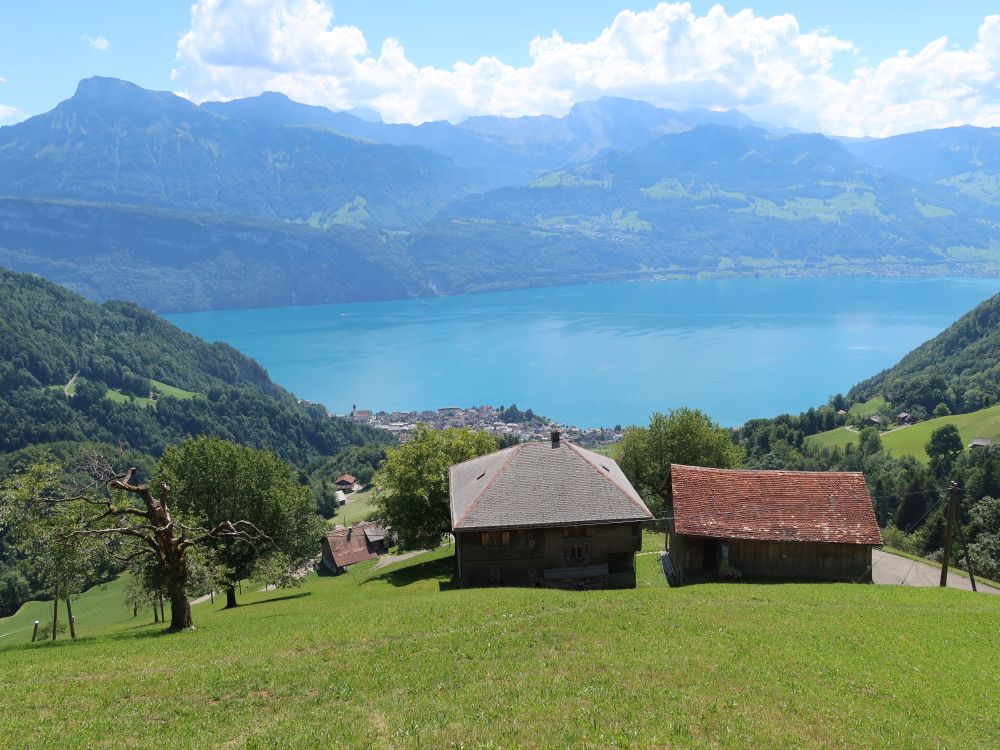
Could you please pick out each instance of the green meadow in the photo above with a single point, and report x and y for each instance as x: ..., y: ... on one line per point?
x: 397, y: 658
x: 911, y: 440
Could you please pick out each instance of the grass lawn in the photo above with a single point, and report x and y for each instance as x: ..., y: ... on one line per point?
x: 397, y: 658
x: 359, y: 506
x: 912, y: 439
x: 835, y: 438
x: 169, y: 390
x: 871, y: 406
x: 120, y: 398
x: 611, y: 450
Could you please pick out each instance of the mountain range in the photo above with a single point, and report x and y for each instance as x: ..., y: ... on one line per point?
x: 124, y: 192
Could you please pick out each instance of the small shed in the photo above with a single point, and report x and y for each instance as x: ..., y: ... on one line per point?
x: 980, y: 443
x: 345, y: 546
x: 876, y: 419
x: 904, y: 417
x: 771, y: 524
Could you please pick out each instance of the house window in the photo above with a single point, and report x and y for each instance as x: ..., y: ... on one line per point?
x: 576, y: 552
x: 496, y: 538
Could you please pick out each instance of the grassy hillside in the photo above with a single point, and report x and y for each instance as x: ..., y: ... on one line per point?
x: 959, y: 367
x: 912, y: 439
x: 395, y: 658
x: 122, y: 361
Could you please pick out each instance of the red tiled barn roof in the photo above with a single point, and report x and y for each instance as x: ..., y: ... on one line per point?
x: 779, y: 506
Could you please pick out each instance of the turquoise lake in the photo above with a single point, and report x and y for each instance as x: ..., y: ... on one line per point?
x: 600, y: 355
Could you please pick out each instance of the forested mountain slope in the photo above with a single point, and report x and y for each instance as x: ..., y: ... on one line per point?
x: 141, y: 382
x: 266, y: 202
x: 498, y: 151
x: 169, y: 261
x: 963, y: 159
x: 116, y: 142
x: 959, y: 367
x: 713, y: 199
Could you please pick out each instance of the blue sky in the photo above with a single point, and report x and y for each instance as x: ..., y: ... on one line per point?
x: 48, y: 45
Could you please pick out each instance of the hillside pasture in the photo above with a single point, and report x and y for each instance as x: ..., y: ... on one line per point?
x: 398, y: 658
x: 910, y: 440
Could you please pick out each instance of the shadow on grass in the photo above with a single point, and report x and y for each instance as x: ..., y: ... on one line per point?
x: 442, y: 569
x: 284, y: 598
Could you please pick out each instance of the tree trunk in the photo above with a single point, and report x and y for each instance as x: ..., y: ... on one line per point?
x: 231, y: 597
x: 55, y: 611
x: 69, y: 614
x: 156, y: 613
x: 162, y: 616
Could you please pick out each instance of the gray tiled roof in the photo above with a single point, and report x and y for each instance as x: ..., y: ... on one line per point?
x: 535, y: 484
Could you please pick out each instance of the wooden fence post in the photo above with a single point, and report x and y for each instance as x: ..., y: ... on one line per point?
x: 72, y: 621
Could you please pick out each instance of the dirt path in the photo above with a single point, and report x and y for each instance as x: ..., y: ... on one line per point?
x: 70, y: 383
x: 901, y: 571
x: 390, y: 559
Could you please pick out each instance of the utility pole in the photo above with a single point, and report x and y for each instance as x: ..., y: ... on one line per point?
x: 951, y: 513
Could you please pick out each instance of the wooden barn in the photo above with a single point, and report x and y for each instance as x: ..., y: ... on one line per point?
x: 800, y: 525
x: 546, y: 514
x: 348, y: 545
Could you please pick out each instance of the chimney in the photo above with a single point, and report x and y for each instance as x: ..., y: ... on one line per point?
x: 555, y: 438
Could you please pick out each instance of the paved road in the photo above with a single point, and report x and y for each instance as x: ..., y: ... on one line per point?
x: 893, y: 569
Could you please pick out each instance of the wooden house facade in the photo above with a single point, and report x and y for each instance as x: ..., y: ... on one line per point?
x: 770, y: 524
x: 545, y: 514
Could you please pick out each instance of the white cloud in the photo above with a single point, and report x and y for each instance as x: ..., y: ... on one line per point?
x: 668, y: 55
x: 10, y: 115
x: 100, y: 43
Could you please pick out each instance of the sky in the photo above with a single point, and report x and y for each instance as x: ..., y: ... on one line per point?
x: 857, y: 68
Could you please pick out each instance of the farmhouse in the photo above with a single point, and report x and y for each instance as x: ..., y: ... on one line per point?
x: 784, y: 524
x: 345, y: 482
x: 353, y: 544
x: 545, y: 514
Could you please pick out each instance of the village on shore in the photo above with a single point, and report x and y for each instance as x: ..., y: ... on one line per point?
x: 503, y: 422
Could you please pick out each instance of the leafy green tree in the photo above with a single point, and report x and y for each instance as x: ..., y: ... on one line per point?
x: 869, y: 441
x: 943, y: 448
x: 941, y: 410
x: 64, y: 564
x: 214, y: 480
x: 129, y: 518
x: 681, y: 436
x: 985, y: 551
x: 412, y: 485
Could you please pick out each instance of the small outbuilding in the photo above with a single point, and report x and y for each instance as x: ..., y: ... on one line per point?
x: 904, y: 417
x: 548, y: 514
x: 345, y: 546
x: 805, y: 525
x: 980, y: 443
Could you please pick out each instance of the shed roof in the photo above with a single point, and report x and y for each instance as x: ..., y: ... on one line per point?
x: 350, y: 545
x: 781, y: 506
x: 345, y: 478
x: 541, y: 484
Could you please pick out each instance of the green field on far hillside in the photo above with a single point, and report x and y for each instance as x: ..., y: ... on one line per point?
x: 359, y: 505
x: 866, y: 408
x: 911, y: 440
x: 398, y: 658
x: 169, y: 390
